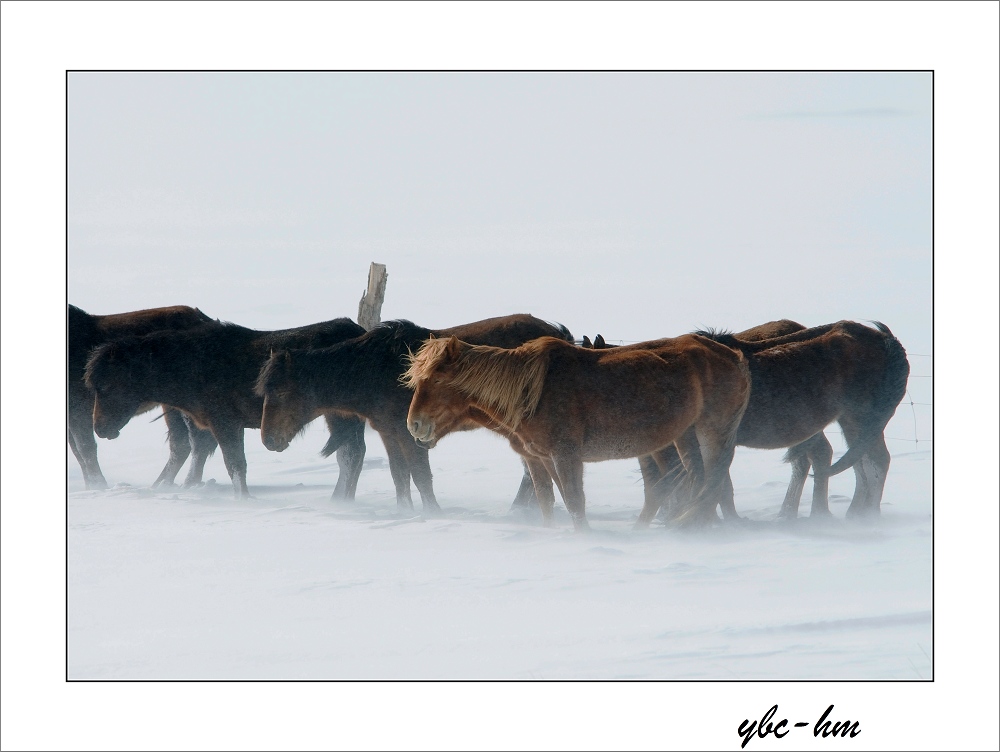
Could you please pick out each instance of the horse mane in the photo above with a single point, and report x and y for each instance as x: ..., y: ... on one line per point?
x: 508, y: 381
x: 722, y: 336
x: 565, y: 333
x: 382, y: 349
x: 105, y: 358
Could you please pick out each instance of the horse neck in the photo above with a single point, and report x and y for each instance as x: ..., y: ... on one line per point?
x: 504, y: 384
x: 337, y: 378
x: 787, y: 339
x: 172, y: 377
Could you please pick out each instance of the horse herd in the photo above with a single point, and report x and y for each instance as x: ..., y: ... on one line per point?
x: 679, y: 405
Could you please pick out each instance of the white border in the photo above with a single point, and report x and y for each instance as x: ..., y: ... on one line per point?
x: 40, y: 40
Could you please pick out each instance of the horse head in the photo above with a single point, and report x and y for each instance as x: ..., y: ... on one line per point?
x: 288, y: 405
x: 118, y: 373
x: 437, y: 408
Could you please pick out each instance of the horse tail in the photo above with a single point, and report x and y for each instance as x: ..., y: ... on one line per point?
x: 342, y: 429
x: 887, y: 398
x: 332, y: 445
x: 794, y: 453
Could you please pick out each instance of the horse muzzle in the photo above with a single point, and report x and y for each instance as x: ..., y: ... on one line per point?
x: 422, y: 433
x: 106, y: 433
x: 275, y: 445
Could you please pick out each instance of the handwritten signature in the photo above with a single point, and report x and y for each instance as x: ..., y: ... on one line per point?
x: 823, y: 727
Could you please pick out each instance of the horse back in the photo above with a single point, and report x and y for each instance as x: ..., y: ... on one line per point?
x: 314, y: 336
x: 87, y: 331
x: 146, y: 321
x: 770, y: 330
x: 506, y: 331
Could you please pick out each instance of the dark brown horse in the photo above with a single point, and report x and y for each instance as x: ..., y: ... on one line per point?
x: 85, y: 332
x: 566, y: 405
x: 664, y: 467
x: 803, y: 381
x: 362, y: 376
x: 209, y: 373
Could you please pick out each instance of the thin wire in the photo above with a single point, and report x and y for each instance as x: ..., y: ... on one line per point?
x: 915, y: 439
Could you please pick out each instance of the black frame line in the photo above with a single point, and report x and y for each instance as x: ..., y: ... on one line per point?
x: 505, y: 681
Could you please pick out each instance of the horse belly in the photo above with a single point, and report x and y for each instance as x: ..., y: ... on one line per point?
x: 623, y: 446
x: 783, y: 427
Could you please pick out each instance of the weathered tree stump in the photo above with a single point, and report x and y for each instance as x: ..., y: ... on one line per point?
x: 370, y: 306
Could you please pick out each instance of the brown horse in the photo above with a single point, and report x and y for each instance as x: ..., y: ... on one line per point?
x: 803, y: 381
x: 209, y: 373
x: 86, y: 331
x: 362, y: 376
x: 566, y: 405
x: 665, y: 467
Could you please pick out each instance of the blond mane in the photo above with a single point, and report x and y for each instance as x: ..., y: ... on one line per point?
x: 507, y: 381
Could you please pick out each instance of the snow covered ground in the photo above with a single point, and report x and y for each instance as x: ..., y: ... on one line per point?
x: 192, y: 584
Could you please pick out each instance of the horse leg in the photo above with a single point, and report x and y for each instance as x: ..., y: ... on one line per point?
x: 689, y: 485
x: 717, y: 489
x: 350, y: 459
x: 84, y: 445
x: 798, y: 458
x: 76, y: 452
x: 179, y: 443
x: 880, y: 460
x: 662, y: 473
x: 420, y: 468
x: 230, y: 438
x: 399, y: 469
x: 871, y: 471
x: 852, y: 432
x: 542, y: 485
x: 569, y: 471
x: 821, y: 455
x: 526, y: 497
x: 203, y: 446
x: 651, y: 500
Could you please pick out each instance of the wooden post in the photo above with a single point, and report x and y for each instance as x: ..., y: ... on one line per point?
x: 370, y: 306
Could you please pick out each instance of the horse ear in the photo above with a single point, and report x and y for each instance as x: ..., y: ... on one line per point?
x: 587, y: 343
x: 451, y: 350
x: 599, y: 341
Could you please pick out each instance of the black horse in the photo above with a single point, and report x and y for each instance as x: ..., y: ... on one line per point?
x: 85, y: 332
x: 362, y: 376
x: 209, y: 372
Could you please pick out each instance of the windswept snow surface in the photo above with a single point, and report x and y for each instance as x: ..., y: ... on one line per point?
x: 192, y: 584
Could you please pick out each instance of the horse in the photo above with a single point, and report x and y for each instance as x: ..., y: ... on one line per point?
x: 803, y: 381
x: 565, y: 405
x: 209, y: 373
x: 86, y: 331
x: 665, y: 467
x: 362, y: 376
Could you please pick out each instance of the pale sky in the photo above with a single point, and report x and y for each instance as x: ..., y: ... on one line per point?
x: 638, y: 205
